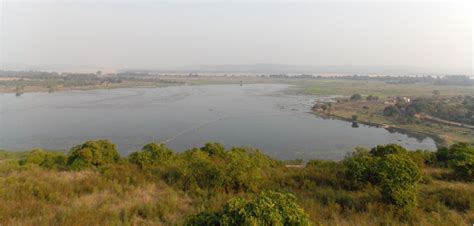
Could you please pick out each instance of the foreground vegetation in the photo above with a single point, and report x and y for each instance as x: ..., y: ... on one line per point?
x: 93, y: 185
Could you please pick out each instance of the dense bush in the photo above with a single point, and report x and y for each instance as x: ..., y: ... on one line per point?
x: 268, y: 208
x: 360, y: 169
x: 459, y: 157
x: 151, y: 154
x: 383, y: 150
x: 356, y: 97
x: 461, y: 160
x: 212, y: 167
x: 92, y: 153
x: 391, y: 111
x: 390, y: 168
x: 398, y: 176
x: 45, y: 159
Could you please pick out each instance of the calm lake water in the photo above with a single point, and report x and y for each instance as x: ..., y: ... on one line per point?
x: 259, y: 116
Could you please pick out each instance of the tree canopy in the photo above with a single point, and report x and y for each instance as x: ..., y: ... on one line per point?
x: 268, y: 208
x: 92, y: 153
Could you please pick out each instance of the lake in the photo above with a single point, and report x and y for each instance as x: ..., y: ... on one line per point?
x: 259, y: 115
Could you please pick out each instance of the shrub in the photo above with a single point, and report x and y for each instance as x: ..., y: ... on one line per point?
x: 382, y: 150
x: 359, y: 169
x: 390, y: 168
x: 92, y: 153
x: 214, y: 149
x: 391, y: 111
x: 151, y: 154
x: 44, y: 158
x: 356, y: 97
x: 199, y: 170
x: 371, y: 97
x: 245, y: 169
x: 268, y: 208
x: 461, y: 160
x: 422, y: 158
x: 398, y: 176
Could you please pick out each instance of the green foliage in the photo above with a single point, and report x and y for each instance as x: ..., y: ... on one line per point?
x: 458, y: 109
x: 200, y: 170
x: 383, y: 150
x: 211, y: 167
x: 422, y: 158
x: 360, y: 169
x: 268, y: 208
x: 398, y: 176
x: 461, y: 160
x: 356, y: 97
x: 459, y: 157
x: 388, y: 167
x: 92, y: 153
x: 371, y: 98
x: 44, y: 159
x: 151, y: 154
x: 442, y: 156
x: 391, y: 111
x: 213, y: 149
x: 245, y: 169
x: 230, y: 187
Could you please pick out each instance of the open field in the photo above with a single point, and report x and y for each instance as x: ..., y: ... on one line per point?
x: 380, y: 89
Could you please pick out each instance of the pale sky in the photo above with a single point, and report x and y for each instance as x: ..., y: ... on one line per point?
x: 165, y: 34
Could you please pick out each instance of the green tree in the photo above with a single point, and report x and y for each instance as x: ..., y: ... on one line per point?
x: 199, y: 170
x: 391, y: 111
x: 398, y: 176
x: 92, y: 153
x: 371, y: 98
x: 356, y: 97
x: 245, y: 169
x: 268, y: 208
x: 388, y: 167
x: 151, y: 154
x: 382, y: 150
x: 461, y: 160
x: 359, y: 169
x: 214, y: 149
x: 44, y: 159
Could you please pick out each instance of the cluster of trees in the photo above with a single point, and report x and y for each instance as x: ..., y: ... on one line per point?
x: 460, y: 158
x: 359, y: 97
x: 208, y: 167
x: 457, y: 109
x: 459, y: 80
x: 391, y: 174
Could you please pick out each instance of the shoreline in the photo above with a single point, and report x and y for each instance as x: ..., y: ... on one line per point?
x: 439, y: 141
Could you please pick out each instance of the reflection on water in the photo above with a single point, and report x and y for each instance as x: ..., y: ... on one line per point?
x: 251, y: 115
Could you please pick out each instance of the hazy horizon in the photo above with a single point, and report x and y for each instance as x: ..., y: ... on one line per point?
x: 424, y: 37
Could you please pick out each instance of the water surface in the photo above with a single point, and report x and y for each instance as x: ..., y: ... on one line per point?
x: 258, y: 115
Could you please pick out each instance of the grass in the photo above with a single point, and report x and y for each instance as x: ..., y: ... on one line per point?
x: 376, y: 88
